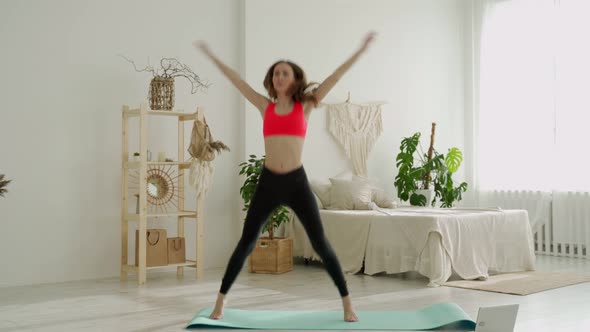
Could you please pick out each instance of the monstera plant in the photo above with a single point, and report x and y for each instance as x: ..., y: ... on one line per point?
x: 418, y: 171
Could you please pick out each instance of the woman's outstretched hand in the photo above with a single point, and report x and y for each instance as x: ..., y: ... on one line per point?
x: 368, y: 40
x: 201, y: 45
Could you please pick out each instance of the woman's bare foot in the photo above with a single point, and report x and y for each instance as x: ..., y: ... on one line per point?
x: 217, y: 312
x: 349, y: 315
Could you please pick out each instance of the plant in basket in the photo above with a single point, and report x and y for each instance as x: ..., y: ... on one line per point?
x: 272, y: 254
x: 252, y: 169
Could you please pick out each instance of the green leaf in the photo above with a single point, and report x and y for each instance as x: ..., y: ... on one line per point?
x: 409, y: 144
x: 418, y: 200
x: 404, y: 159
x: 453, y: 159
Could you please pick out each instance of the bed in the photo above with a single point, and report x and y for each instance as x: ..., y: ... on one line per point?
x: 431, y: 241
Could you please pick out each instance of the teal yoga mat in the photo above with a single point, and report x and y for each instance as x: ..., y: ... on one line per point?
x: 434, y: 317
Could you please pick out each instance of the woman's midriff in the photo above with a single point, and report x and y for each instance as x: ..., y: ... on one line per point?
x: 283, y: 153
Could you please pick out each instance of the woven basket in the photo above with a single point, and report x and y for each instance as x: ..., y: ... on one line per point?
x: 162, y: 94
x: 272, y: 256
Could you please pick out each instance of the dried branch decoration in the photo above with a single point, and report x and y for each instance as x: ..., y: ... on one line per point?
x: 172, y: 68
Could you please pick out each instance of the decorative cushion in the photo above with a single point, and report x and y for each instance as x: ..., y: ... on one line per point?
x: 383, y: 199
x: 340, y: 195
x: 322, y: 191
x: 378, y: 195
x: 318, y: 201
x: 348, y: 194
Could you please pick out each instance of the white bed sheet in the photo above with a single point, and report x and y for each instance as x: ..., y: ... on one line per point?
x: 433, y: 242
x: 347, y: 231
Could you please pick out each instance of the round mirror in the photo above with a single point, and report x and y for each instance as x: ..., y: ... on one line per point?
x: 157, y: 187
x: 160, y: 188
x: 161, y: 192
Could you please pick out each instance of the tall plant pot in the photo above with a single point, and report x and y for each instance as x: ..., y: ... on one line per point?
x: 428, y: 193
x: 271, y: 256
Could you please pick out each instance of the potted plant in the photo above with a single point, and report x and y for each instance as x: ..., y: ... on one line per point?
x: 161, y: 93
x: 271, y: 254
x: 136, y: 156
x: 3, y: 184
x: 413, y: 179
x: 415, y: 175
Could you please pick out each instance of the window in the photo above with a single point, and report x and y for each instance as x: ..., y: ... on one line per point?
x: 533, y: 110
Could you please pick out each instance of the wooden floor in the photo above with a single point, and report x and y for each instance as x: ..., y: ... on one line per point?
x: 166, y: 303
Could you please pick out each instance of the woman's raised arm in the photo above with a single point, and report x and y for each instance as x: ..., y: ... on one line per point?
x: 329, y: 82
x: 254, y: 97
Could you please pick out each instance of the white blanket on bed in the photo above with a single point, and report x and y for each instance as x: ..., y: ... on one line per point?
x: 428, y: 240
x: 346, y: 230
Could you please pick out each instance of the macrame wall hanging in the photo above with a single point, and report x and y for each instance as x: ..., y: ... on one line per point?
x: 356, y: 127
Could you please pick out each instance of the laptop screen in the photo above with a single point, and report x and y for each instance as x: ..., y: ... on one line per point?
x: 496, y: 319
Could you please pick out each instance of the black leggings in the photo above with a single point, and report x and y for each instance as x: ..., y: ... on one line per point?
x: 291, y: 189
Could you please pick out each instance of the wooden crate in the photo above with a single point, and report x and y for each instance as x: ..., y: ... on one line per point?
x: 271, y: 256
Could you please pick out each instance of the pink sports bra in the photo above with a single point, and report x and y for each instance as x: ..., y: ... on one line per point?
x: 293, y: 123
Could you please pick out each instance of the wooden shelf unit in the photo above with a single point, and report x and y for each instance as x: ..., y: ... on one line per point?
x: 144, y: 113
x: 133, y: 268
x: 137, y: 164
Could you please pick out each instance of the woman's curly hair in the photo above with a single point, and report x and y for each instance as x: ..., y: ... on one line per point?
x: 298, y: 90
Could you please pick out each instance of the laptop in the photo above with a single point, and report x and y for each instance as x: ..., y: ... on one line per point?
x: 496, y: 319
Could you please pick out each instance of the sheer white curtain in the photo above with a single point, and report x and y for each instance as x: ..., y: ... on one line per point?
x: 532, y: 114
x: 572, y: 92
x: 533, y: 110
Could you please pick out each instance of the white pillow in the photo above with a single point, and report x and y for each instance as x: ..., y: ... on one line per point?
x: 383, y: 199
x: 318, y: 201
x: 363, y: 197
x: 322, y: 192
x: 347, y: 194
x: 378, y: 195
x: 322, y: 188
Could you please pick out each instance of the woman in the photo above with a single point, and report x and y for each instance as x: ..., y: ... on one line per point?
x: 283, y: 180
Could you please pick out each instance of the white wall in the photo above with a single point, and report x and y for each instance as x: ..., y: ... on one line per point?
x: 416, y: 64
x: 61, y: 93
x: 63, y: 88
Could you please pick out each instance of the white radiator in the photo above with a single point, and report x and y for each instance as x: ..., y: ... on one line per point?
x: 560, y: 220
x: 571, y: 224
